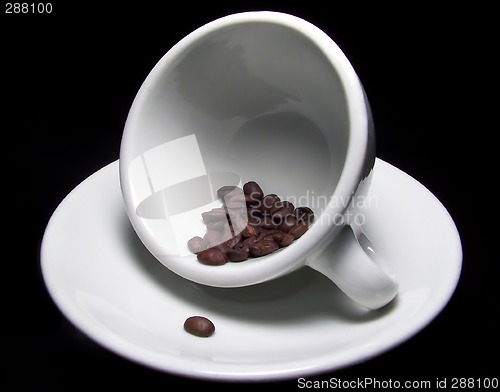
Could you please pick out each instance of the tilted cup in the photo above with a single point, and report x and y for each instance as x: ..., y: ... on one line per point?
x: 256, y: 96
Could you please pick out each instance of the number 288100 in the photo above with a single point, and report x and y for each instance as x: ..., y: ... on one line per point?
x: 28, y: 8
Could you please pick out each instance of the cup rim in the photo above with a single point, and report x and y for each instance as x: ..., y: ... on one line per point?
x: 352, y: 172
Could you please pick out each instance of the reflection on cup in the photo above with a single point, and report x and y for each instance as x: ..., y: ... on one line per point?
x: 171, y: 188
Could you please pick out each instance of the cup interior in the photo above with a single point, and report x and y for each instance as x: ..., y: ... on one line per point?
x: 246, y: 98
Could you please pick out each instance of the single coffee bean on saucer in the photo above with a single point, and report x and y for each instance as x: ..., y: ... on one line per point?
x: 199, y: 326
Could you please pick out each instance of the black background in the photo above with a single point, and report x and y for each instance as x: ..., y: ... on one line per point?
x: 69, y: 78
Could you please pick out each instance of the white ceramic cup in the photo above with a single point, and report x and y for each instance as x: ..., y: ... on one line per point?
x: 256, y: 96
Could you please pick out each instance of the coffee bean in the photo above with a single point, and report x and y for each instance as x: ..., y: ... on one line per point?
x: 254, y: 214
x: 253, y: 190
x: 252, y: 200
x: 248, y: 241
x: 214, y: 215
x: 263, y: 247
x: 304, y: 214
x: 268, y: 223
x: 250, y: 231
x: 196, y: 244
x: 235, y: 199
x: 216, y: 225
x: 212, y: 256
x: 266, y: 233
x: 234, y: 240
x: 239, y: 253
x: 223, y: 247
x: 287, y: 223
x: 282, y: 239
x: 298, y: 230
x: 199, y: 326
x: 281, y: 210
x: 269, y: 202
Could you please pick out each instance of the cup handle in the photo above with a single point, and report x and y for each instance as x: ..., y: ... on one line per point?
x: 360, y: 276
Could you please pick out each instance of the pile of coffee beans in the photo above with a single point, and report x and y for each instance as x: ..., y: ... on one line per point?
x: 249, y: 224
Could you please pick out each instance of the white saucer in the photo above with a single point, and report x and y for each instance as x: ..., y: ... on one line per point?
x: 107, y: 284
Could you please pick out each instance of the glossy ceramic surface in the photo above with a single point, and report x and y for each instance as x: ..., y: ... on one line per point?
x: 108, y: 285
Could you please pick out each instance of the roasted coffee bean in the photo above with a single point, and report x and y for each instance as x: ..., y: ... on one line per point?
x: 239, y: 253
x: 278, y: 216
x: 223, y: 247
x: 250, y: 231
x: 214, y: 215
x: 268, y: 223
x: 304, y: 214
x: 253, y: 192
x: 251, y: 200
x: 270, y: 235
x: 252, y: 187
x: 217, y: 225
x: 212, y: 256
x: 287, y: 223
x: 238, y: 223
x: 281, y: 210
x: 255, y: 221
x: 234, y: 240
x: 263, y: 247
x: 288, y: 206
x: 281, y: 238
x: 286, y: 240
x: 199, y: 326
x: 282, y: 204
x: 244, y: 245
x: 269, y: 202
x: 299, y: 229
x: 247, y: 242
x: 196, y: 244
x: 235, y: 199
x: 266, y: 233
x: 254, y: 214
